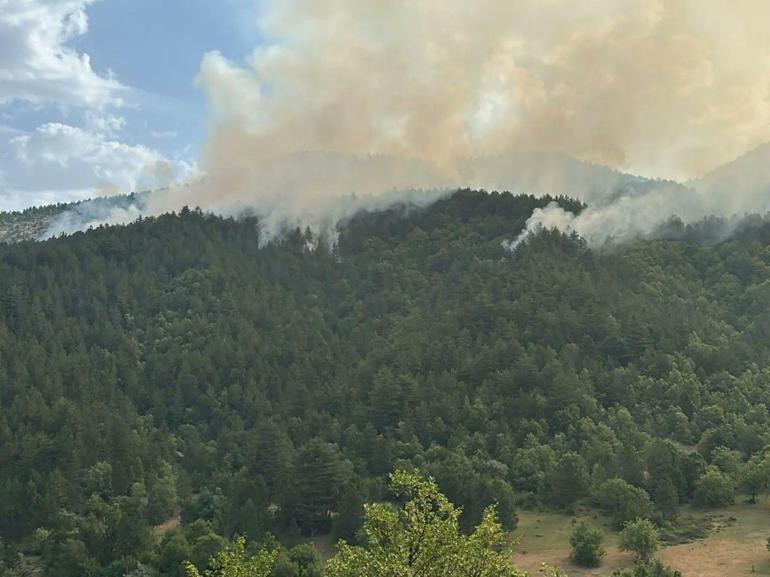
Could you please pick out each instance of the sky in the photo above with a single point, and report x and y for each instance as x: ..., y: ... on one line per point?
x: 100, y: 96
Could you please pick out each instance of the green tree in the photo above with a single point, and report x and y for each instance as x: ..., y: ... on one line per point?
x: 714, y: 489
x: 623, y: 502
x: 300, y: 561
x: 162, y: 496
x: 174, y: 551
x: 320, y: 475
x: 423, y: 538
x: 569, y: 480
x: 233, y: 561
x: 586, y: 541
x: 666, y: 497
x: 754, y: 476
x: 640, y: 537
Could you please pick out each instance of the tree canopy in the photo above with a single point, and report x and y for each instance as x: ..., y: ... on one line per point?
x: 168, y: 385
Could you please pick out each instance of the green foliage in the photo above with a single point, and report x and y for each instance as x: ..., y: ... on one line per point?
x: 652, y: 569
x: 423, y: 538
x: 185, y: 366
x: 686, y: 529
x: 586, y: 541
x: 320, y: 476
x: 569, y: 480
x: 714, y: 489
x: 754, y: 476
x: 623, y: 502
x: 640, y: 537
x: 233, y: 561
x: 299, y: 561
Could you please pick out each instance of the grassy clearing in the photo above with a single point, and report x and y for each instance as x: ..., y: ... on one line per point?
x: 544, y: 537
x: 735, y: 547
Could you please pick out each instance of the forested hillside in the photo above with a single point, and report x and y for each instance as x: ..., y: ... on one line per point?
x: 54, y: 219
x: 173, y: 370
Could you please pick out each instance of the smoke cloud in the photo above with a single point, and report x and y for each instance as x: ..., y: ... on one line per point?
x: 551, y: 217
x: 354, y: 98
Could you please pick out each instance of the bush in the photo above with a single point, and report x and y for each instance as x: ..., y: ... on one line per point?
x: 586, y: 541
x: 640, y: 537
x: 653, y: 569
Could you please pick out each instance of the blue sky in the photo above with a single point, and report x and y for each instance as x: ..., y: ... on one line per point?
x: 94, y: 95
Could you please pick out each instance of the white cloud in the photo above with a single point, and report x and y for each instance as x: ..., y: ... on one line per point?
x: 104, y: 123
x: 82, y: 155
x: 59, y: 162
x: 36, y: 63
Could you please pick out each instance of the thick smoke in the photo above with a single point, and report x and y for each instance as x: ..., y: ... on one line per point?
x: 353, y: 98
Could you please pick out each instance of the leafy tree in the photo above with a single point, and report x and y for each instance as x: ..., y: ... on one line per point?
x: 726, y: 460
x: 714, y: 489
x: 754, y: 476
x: 423, y: 538
x: 586, y: 541
x: 569, y: 480
x: 623, y: 502
x: 320, y: 475
x: 640, y: 537
x: 233, y: 561
x: 350, y: 516
x: 174, y: 551
x: 666, y: 497
x: 205, y: 547
x: 162, y: 495
x: 300, y: 561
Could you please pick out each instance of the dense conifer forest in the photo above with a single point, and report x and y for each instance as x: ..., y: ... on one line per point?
x: 172, y: 384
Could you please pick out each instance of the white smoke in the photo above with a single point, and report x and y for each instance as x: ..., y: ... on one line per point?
x: 549, y: 218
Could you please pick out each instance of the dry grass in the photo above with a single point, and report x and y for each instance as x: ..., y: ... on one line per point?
x: 544, y: 538
x: 736, y: 549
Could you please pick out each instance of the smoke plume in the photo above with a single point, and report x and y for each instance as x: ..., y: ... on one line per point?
x: 353, y: 98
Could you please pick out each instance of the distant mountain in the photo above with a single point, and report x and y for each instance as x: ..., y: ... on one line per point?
x: 742, y: 185
x: 334, y: 175
x: 551, y: 173
x: 51, y: 220
x: 532, y: 172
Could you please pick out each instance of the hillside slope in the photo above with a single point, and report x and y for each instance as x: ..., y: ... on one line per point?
x: 52, y: 220
x: 172, y: 367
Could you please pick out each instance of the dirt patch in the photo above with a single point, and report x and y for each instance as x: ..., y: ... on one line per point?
x: 166, y: 526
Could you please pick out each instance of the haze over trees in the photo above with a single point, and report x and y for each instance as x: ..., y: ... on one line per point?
x: 174, y: 371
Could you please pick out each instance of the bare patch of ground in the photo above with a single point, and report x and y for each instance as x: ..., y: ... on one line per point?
x: 166, y: 526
